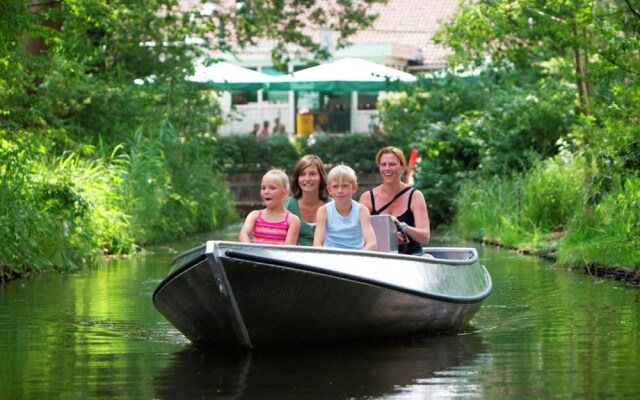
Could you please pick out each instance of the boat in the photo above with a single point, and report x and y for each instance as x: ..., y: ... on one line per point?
x: 253, y: 295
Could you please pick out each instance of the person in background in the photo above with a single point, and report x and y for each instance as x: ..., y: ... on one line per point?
x: 406, y: 205
x: 256, y: 130
x: 280, y: 130
x: 344, y: 223
x: 265, y: 129
x: 276, y: 125
x: 308, y: 193
x: 273, y: 224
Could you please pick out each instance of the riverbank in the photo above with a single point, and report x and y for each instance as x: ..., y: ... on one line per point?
x: 629, y: 276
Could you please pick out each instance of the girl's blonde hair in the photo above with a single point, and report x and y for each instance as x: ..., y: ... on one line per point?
x: 342, y: 173
x: 279, y: 175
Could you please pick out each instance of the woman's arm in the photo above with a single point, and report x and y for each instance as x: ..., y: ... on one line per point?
x: 294, y: 229
x: 368, y: 233
x: 321, y: 227
x: 246, y: 232
x: 421, y: 232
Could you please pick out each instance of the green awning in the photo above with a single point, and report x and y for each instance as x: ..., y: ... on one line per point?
x: 344, y: 75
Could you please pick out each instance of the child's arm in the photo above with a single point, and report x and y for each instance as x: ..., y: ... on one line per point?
x: 368, y: 234
x: 246, y: 232
x: 321, y: 227
x: 294, y: 229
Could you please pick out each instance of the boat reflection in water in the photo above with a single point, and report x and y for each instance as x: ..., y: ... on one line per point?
x: 363, y: 371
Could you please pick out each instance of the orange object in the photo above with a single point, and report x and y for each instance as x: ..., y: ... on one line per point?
x: 413, y: 158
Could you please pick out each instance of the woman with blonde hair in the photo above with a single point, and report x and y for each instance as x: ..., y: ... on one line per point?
x: 406, y: 205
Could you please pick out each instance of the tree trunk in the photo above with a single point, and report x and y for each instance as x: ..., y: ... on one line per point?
x: 36, y: 45
x: 580, y: 60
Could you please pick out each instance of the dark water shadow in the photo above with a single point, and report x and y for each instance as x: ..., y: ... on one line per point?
x: 363, y: 371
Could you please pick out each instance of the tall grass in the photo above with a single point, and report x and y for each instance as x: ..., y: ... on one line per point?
x: 524, y: 210
x: 61, y: 212
x: 607, y: 233
x: 99, y: 183
x: 44, y: 219
x: 546, y: 210
x: 171, y: 187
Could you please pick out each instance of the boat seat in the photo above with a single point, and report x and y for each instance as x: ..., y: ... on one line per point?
x: 386, y: 233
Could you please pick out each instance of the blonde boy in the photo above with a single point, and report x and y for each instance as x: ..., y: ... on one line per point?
x: 343, y: 222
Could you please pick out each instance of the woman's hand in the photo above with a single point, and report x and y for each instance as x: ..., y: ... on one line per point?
x: 402, y: 231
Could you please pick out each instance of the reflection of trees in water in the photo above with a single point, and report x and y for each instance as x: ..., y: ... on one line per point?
x: 327, y: 372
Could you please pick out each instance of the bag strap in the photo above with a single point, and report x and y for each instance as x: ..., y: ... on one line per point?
x: 400, y: 193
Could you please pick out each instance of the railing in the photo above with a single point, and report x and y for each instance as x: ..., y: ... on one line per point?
x: 246, y: 115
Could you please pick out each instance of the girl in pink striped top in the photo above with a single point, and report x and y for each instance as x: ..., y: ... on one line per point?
x: 273, y: 224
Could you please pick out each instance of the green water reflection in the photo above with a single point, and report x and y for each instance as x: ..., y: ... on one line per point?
x: 544, y: 333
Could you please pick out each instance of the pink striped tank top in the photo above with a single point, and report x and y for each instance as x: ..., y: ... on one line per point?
x: 270, y: 232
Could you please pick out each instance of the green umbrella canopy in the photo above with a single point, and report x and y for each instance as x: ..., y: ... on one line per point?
x: 225, y: 76
x: 344, y: 75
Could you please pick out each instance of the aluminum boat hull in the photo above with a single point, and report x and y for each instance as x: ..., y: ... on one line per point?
x: 258, y: 295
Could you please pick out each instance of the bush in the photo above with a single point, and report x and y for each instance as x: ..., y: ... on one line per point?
x: 44, y: 218
x: 171, y: 188
x: 245, y: 153
x: 607, y: 233
x: 524, y: 210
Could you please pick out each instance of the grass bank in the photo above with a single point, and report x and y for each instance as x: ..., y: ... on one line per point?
x: 551, y: 212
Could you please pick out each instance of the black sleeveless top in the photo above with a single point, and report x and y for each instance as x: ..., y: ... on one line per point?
x: 413, y: 247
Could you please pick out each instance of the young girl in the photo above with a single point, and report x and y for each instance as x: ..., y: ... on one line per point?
x: 273, y: 224
x: 344, y: 223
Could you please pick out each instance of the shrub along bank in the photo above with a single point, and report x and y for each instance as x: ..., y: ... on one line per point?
x: 60, y: 212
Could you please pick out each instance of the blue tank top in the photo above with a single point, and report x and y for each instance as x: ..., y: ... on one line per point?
x: 344, y: 232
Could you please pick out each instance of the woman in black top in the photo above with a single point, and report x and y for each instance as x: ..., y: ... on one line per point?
x: 405, y: 204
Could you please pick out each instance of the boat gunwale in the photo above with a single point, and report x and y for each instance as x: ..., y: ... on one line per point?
x: 355, y: 278
x: 200, y: 253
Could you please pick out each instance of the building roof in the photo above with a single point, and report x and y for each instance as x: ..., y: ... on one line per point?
x: 411, y: 23
x: 408, y: 25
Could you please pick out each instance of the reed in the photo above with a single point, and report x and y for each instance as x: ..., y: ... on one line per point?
x: 544, y: 211
x: 607, y: 233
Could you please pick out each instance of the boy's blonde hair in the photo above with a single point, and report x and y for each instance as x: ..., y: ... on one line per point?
x: 342, y: 173
x: 280, y: 175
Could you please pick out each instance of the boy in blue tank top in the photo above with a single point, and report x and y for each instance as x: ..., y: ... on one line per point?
x: 343, y: 223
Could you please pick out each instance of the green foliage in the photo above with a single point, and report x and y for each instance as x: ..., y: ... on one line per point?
x: 486, y: 125
x: 356, y: 150
x: 523, y: 210
x: 44, y: 219
x: 171, y: 189
x: 608, y: 233
x: 245, y: 153
x: 553, y: 192
x: 284, y: 23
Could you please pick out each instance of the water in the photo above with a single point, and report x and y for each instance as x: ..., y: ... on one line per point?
x: 544, y: 333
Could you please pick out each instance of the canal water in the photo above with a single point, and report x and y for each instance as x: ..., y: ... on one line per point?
x: 545, y: 333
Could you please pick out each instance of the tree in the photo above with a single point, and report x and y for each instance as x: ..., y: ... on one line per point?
x: 286, y: 22
x: 95, y: 49
x: 595, y: 37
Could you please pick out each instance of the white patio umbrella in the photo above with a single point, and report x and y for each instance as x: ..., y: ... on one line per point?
x: 225, y: 76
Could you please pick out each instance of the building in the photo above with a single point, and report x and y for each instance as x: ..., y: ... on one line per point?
x: 400, y: 38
